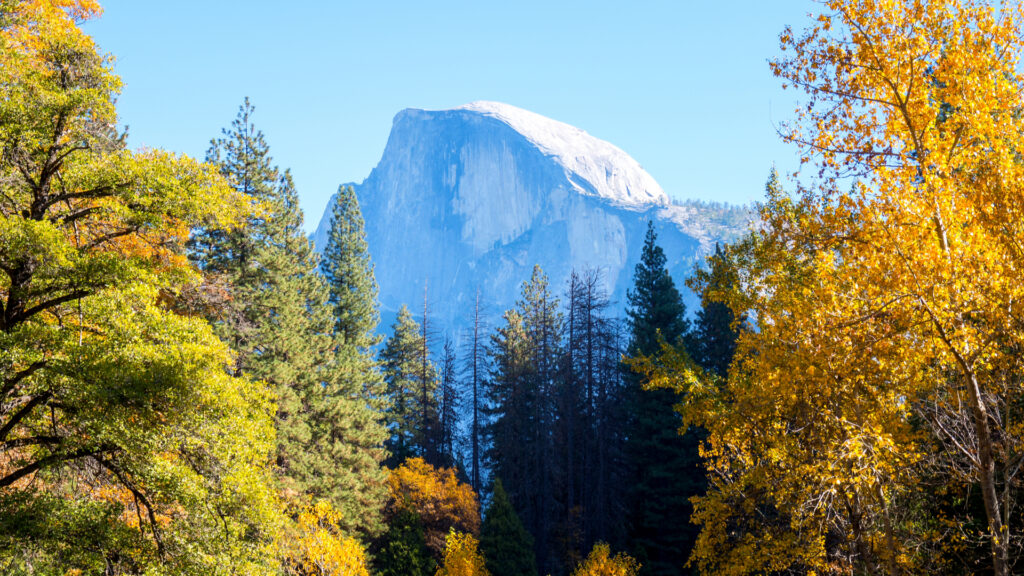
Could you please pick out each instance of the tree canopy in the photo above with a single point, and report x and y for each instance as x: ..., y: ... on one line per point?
x: 887, y: 304
x: 120, y: 425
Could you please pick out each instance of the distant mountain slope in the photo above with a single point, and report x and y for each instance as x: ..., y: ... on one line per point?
x: 476, y: 195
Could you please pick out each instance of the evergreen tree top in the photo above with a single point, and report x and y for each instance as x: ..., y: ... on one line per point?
x: 244, y: 157
x: 540, y: 310
x: 349, y: 273
x: 655, y: 306
x: 404, y: 323
x: 505, y: 542
x: 399, y: 355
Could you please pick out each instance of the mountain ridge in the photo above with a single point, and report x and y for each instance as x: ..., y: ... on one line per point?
x: 474, y: 196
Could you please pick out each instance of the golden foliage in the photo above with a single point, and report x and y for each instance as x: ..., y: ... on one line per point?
x: 30, y: 24
x: 888, y: 301
x: 461, y: 557
x: 437, y: 497
x: 319, y: 549
x: 600, y: 562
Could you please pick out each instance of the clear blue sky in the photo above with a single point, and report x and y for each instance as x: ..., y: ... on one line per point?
x: 682, y: 86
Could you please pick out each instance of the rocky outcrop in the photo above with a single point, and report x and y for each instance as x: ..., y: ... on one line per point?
x: 475, y: 196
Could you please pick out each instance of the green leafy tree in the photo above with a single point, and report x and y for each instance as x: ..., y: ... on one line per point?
x: 664, y: 466
x: 125, y: 444
x: 506, y: 545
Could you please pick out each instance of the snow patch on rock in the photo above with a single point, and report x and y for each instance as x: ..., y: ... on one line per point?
x: 594, y: 167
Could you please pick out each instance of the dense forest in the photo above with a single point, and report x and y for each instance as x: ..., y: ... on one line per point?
x: 188, y: 387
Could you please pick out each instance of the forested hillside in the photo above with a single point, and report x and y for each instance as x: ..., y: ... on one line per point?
x: 188, y: 387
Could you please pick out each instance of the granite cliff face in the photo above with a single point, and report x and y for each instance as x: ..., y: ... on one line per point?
x: 475, y: 196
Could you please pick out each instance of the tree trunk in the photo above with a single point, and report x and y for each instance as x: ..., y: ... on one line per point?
x: 998, y: 536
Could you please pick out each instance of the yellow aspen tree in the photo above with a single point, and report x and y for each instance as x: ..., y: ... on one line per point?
x: 320, y: 549
x: 921, y: 102
x: 600, y: 562
x: 462, y: 557
x: 437, y: 498
x: 887, y: 297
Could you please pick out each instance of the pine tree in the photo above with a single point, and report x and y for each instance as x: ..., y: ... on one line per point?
x: 349, y: 427
x: 589, y: 410
x: 402, y: 550
x: 403, y: 375
x: 543, y: 322
x: 656, y: 309
x: 717, y: 328
x: 608, y: 507
x: 229, y: 257
x: 429, y: 427
x: 278, y: 318
x: 510, y: 396
x: 598, y: 358
x: 664, y: 466
x: 505, y: 543
x: 289, y: 329
x: 475, y: 369
x: 448, y: 407
x: 526, y: 354
x: 571, y: 408
x: 349, y: 273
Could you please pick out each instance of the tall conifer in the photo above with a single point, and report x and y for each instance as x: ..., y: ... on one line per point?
x: 349, y: 272
x: 504, y: 542
x: 716, y: 329
x: 526, y: 354
x: 449, y: 403
x: 590, y: 413
x: 475, y: 370
x: 664, y: 466
x: 404, y: 384
x: 272, y: 310
x: 351, y: 428
x: 429, y: 413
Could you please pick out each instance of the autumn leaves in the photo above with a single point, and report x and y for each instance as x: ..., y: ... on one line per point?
x: 868, y: 424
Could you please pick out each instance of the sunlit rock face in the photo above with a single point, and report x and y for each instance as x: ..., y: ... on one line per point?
x: 474, y: 196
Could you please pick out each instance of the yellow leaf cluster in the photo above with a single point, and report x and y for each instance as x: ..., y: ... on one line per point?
x: 437, y: 497
x: 600, y: 562
x: 887, y: 298
x: 461, y: 557
x: 319, y: 548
